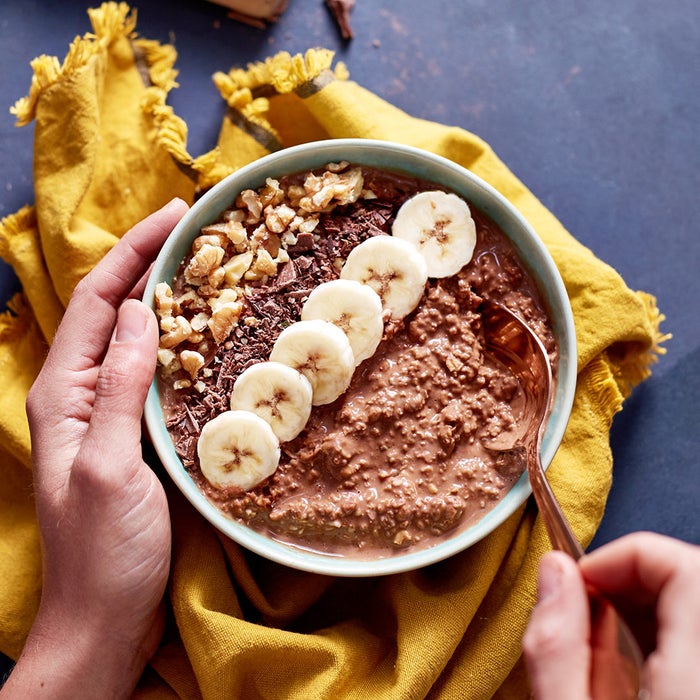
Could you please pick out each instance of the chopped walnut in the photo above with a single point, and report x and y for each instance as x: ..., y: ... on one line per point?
x: 234, y: 215
x: 344, y: 187
x: 189, y: 300
x: 199, y: 321
x: 263, y: 265
x: 167, y: 323
x: 206, y: 259
x: 215, y: 235
x: 165, y: 304
x: 337, y: 167
x: 206, y: 291
x: 226, y: 310
x: 180, y: 331
x: 216, y: 277
x: 288, y: 239
x: 282, y: 256
x: 278, y: 218
x: 273, y: 244
x: 271, y: 193
x: 258, y: 236
x: 349, y: 186
x: 308, y: 225
x: 191, y: 362
x: 250, y: 199
x: 223, y: 320
x: 236, y: 232
x: 236, y: 267
x: 168, y: 359
x: 225, y: 296
x: 294, y: 195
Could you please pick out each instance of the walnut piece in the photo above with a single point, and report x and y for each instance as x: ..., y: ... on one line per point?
x: 344, y: 188
x: 165, y: 304
x: 224, y: 317
x: 263, y: 266
x: 206, y: 259
x: 250, y: 199
x: 243, y: 248
x: 178, y: 333
x: 191, y: 362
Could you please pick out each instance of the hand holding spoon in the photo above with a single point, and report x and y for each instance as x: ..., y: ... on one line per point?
x: 616, y: 663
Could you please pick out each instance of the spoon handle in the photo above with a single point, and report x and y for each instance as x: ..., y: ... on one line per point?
x: 616, y: 659
x: 560, y: 533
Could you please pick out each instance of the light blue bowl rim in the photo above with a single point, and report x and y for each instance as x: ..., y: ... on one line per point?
x: 428, y: 166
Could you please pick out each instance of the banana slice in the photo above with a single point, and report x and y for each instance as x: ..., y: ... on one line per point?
x: 393, y: 268
x: 321, y: 352
x: 237, y: 448
x: 441, y: 227
x: 355, y: 308
x: 280, y: 395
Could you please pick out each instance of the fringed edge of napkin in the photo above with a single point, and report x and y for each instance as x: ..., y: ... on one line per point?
x: 637, y: 366
x: 246, y: 90
x: 14, y: 319
x: 171, y: 135
x: 20, y: 247
x: 619, y: 369
x: 109, y: 21
x: 155, y: 63
x: 13, y: 225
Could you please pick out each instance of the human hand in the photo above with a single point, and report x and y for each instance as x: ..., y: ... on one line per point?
x: 102, y: 512
x: 653, y: 580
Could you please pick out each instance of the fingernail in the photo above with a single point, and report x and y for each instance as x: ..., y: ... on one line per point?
x: 175, y: 203
x: 549, y: 578
x: 131, y: 321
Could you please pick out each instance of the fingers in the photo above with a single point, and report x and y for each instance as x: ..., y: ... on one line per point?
x: 643, y: 562
x: 61, y: 400
x: 122, y: 384
x: 115, y: 275
x: 658, y: 577
x: 89, y: 319
x: 556, y: 640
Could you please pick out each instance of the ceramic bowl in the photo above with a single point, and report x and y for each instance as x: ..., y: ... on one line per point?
x: 423, y: 165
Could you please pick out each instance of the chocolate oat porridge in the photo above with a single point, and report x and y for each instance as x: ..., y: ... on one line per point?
x: 321, y: 368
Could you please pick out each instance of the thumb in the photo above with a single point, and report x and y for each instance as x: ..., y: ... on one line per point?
x: 555, y: 643
x: 124, y: 377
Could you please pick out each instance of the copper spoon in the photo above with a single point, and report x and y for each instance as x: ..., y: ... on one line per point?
x: 617, y: 661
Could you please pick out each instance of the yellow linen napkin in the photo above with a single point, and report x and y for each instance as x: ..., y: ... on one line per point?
x: 245, y: 627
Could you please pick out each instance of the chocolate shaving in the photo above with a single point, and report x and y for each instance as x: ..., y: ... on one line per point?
x: 341, y: 10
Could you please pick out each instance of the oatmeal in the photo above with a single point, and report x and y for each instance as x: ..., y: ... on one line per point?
x: 394, y: 456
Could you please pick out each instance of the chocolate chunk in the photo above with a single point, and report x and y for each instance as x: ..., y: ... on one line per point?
x: 305, y: 241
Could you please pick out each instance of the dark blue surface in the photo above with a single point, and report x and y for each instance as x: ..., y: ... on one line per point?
x: 593, y: 105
